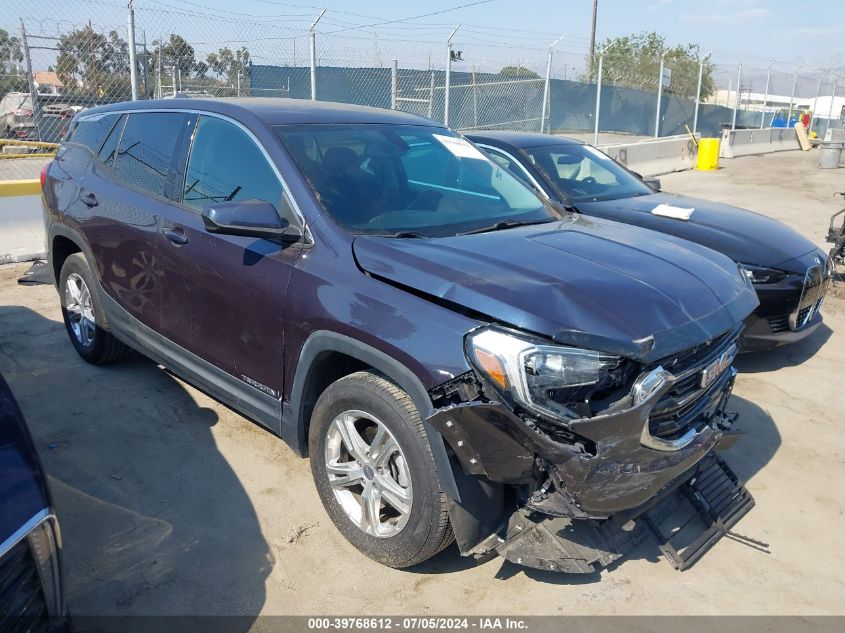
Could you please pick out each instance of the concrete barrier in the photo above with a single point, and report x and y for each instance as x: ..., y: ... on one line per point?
x: 653, y: 158
x: 749, y: 142
x: 837, y: 135
x: 21, y: 223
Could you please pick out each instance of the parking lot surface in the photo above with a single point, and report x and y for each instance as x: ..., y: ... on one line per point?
x: 171, y: 503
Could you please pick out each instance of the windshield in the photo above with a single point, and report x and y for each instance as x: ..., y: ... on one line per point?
x: 402, y: 179
x: 581, y: 173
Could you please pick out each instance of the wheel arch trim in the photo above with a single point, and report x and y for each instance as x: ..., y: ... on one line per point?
x: 294, y: 424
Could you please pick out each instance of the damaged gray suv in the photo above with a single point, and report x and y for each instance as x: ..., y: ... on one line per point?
x: 458, y: 358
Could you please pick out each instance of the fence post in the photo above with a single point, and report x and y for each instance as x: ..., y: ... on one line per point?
x: 598, y: 98
x: 313, y: 41
x: 448, y: 77
x: 431, y: 97
x: 659, y: 94
x: 146, y: 66
x: 766, y: 98
x: 547, y: 87
x: 394, y: 84
x: 33, y: 93
x: 792, y: 97
x: 701, y: 63
x: 832, y: 99
x: 738, y: 95
x: 133, y: 64
x: 474, y: 100
x: 815, y: 107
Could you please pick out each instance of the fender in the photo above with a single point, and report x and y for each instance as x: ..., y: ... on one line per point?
x: 293, y: 412
x: 57, y: 229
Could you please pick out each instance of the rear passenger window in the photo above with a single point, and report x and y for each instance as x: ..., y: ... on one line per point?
x: 226, y: 164
x: 146, y: 148
x: 109, y: 150
x: 92, y: 131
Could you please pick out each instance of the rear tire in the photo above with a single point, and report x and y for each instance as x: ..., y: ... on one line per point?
x: 383, y: 493
x: 83, y: 314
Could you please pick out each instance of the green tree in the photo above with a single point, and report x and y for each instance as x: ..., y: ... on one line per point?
x: 520, y: 72
x: 174, y: 53
x: 12, y: 75
x: 232, y: 65
x: 94, y: 63
x: 634, y: 60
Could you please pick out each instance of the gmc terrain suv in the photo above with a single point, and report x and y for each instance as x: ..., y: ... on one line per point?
x: 458, y: 357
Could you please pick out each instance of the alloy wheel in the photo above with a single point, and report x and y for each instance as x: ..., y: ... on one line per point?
x: 368, y: 474
x: 80, y: 309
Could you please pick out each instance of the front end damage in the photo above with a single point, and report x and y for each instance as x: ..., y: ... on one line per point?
x: 577, y: 496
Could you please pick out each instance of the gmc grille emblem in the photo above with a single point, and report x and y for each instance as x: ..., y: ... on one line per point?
x: 717, y: 367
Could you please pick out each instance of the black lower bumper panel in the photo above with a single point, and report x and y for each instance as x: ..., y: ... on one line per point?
x: 686, y: 521
x: 690, y: 522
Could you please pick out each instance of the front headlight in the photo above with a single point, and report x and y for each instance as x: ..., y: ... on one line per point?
x: 761, y: 274
x: 539, y: 376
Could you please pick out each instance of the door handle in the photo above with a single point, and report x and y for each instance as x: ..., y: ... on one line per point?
x: 90, y: 200
x: 177, y: 238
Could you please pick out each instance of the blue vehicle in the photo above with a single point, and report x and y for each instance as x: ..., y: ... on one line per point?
x: 31, y: 597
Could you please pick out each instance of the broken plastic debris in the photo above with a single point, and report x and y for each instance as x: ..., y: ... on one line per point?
x: 669, y: 211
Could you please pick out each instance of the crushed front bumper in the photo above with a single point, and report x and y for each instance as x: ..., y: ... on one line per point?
x: 587, y: 490
x: 686, y: 519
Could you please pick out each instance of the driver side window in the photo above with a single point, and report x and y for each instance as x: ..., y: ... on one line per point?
x: 226, y: 164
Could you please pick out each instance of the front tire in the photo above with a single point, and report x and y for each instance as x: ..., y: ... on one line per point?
x: 83, y: 314
x: 374, y: 471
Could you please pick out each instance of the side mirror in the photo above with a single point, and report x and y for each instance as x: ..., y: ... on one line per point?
x: 654, y: 183
x: 251, y: 218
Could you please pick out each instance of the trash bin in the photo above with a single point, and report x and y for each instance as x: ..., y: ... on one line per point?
x: 831, y: 154
x: 708, y: 154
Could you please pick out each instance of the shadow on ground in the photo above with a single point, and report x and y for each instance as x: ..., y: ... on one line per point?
x: 120, y: 483
x: 786, y: 356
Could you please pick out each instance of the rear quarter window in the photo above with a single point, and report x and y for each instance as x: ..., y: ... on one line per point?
x: 92, y: 131
x: 146, y: 149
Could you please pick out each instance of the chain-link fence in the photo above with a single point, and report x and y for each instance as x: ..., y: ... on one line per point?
x: 59, y: 57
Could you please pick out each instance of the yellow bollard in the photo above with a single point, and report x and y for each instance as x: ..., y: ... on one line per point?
x: 708, y: 154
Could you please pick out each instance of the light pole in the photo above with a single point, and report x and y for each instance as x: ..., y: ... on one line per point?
x: 659, y: 94
x: 598, y: 94
x: 133, y: 65
x: 738, y: 95
x: 766, y: 97
x: 698, y: 92
x: 448, y: 77
x: 313, y: 42
x: 547, y: 87
x: 593, y: 39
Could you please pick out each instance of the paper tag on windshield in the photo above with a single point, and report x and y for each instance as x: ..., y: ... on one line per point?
x: 668, y: 211
x: 459, y: 147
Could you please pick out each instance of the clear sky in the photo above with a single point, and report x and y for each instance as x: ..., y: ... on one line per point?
x: 493, y: 32
x: 804, y: 32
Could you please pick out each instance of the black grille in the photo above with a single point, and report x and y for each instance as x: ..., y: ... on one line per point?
x: 815, y: 285
x: 22, y: 606
x: 779, y: 324
x: 687, y: 403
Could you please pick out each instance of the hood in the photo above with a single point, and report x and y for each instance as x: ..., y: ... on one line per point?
x: 742, y: 235
x: 580, y: 281
x: 23, y: 487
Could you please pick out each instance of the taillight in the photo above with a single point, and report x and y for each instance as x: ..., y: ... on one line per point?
x: 44, y: 171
